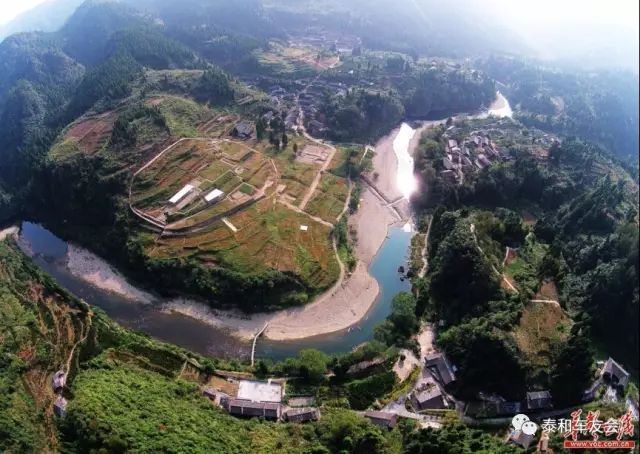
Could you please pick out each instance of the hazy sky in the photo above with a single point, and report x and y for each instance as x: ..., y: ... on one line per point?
x: 620, y: 12
x: 11, y: 8
x: 527, y: 13
x: 604, y: 31
x: 522, y: 12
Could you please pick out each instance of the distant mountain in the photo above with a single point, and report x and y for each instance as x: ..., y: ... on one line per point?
x: 454, y: 28
x: 47, y: 17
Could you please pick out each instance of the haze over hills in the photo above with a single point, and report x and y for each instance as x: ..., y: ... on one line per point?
x: 547, y: 31
x: 385, y: 220
x: 49, y: 16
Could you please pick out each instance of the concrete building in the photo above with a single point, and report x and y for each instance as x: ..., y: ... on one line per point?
x: 267, y: 410
x: 259, y: 391
x: 302, y: 414
x: 181, y: 194
x: 213, y: 196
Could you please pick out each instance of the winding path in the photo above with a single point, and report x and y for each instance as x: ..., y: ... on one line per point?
x: 472, y: 228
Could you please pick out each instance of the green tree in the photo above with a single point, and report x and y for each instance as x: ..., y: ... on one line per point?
x: 313, y: 365
x: 261, y: 127
x: 572, y: 369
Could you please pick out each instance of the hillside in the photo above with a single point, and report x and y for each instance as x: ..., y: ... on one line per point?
x: 86, y: 148
x: 517, y: 260
x: 123, y: 391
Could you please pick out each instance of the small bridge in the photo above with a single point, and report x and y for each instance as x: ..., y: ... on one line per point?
x: 255, y: 341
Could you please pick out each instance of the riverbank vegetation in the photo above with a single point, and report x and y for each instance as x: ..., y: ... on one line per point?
x: 384, y: 88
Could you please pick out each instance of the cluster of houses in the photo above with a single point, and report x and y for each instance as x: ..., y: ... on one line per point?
x: 263, y: 400
x: 611, y: 382
x: 321, y: 38
x: 430, y: 393
x: 472, y: 154
x: 613, y: 379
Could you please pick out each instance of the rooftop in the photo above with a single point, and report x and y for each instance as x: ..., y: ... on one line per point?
x: 181, y: 193
x: 438, y: 363
x: 213, y: 195
x: 259, y: 391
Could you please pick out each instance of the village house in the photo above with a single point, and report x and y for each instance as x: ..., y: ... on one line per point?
x: 59, y: 380
x: 60, y: 407
x: 382, y: 418
x: 519, y: 438
x: 302, y: 414
x: 210, y: 393
x: 543, y: 444
x: 450, y: 176
x: 242, y: 130
x: 484, y: 160
x: 429, y: 399
x: 247, y: 408
x: 215, y: 396
x: 590, y: 393
x: 614, y: 374
x: 447, y: 164
x: 440, y: 368
x: 539, y: 400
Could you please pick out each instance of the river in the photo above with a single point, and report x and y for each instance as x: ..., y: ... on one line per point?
x: 52, y: 255
x: 101, y: 286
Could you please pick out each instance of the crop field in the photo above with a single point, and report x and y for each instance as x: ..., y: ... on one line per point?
x: 89, y: 136
x: 206, y: 165
x: 329, y: 198
x: 220, y: 125
x: 266, y: 230
x: 295, y: 61
x: 251, y: 228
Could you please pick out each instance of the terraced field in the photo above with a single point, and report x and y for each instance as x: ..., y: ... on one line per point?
x: 329, y: 198
x: 268, y: 235
x: 205, y: 165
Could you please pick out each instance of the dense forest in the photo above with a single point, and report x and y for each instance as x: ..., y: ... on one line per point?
x: 393, y: 86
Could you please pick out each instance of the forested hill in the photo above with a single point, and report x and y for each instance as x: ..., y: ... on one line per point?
x: 567, y: 218
x: 427, y: 27
x: 599, y: 106
x: 49, y: 79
